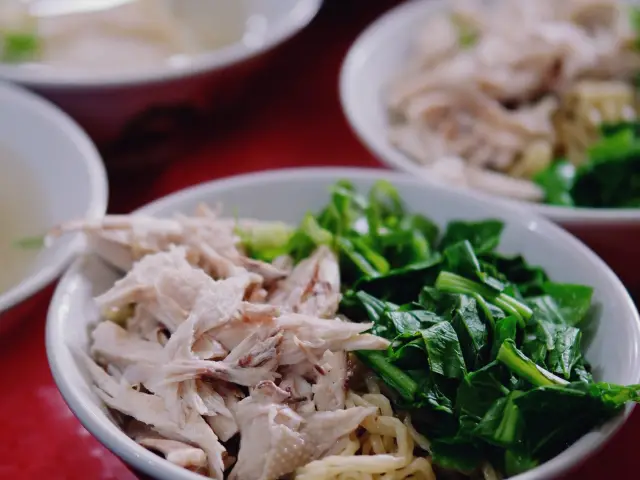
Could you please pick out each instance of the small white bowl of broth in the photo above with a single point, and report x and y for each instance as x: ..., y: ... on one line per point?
x: 530, y: 102
x: 50, y: 171
x: 128, y: 65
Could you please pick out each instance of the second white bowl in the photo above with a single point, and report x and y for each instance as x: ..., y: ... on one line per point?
x: 381, y: 52
x: 50, y: 173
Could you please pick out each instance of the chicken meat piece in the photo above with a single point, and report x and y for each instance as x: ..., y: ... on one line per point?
x: 176, y: 380
x: 150, y: 410
x: 144, y: 325
x: 182, y: 362
x: 317, y: 335
x: 178, y: 453
x: 164, y: 283
x: 220, y: 403
x: 169, y: 289
x: 249, y: 363
x: 299, y: 388
x: 116, y: 346
x: 312, y: 288
x: 471, y: 125
x: 456, y: 171
x: 275, y: 440
x: 304, y: 337
x: 330, y: 389
x: 211, y: 242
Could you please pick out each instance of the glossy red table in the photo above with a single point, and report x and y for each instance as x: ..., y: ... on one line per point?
x: 291, y: 118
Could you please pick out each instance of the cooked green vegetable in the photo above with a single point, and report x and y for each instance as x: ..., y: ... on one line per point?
x: 265, y: 241
x: 30, y: 243
x: 18, y: 46
x: 467, y: 34
x: 485, y: 350
x: 609, y: 178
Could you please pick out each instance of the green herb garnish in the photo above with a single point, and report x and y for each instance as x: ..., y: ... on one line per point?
x: 30, y: 243
x: 16, y: 47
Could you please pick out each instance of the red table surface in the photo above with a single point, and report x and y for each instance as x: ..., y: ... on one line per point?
x: 292, y: 118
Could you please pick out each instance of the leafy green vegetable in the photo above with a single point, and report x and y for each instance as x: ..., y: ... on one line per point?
x: 485, y: 350
x: 452, y: 283
x: 557, y: 181
x: 525, y: 279
x: 506, y: 329
x: 412, y: 320
x: 554, y: 416
x: 402, y: 284
x: 393, y: 376
x: 456, y: 453
x: 566, y: 351
x: 610, y: 176
x: 443, y: 350
x: 516, y: 463
x: 461, y: 259
x: 471, y: 330
x: 524, y: 367
x: 484, y: 236
x: 480, y: 390
x: 572, y: 301
x: 502, y: 423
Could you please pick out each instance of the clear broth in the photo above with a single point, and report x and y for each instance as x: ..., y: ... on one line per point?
x: 21, y: 215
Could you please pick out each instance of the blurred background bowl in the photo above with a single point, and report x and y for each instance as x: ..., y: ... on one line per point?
x: 50, y: 172
x: 382, y: 51
x: 119, y: 109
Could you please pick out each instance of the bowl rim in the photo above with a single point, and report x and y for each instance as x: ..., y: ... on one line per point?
x: 119, y: 443
x: 302, y: 13
x: 386, y: 25
x: 90, y: 159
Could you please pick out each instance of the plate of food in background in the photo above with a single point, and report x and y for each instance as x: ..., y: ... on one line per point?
x: 534, y: 102
x: 111, y: 63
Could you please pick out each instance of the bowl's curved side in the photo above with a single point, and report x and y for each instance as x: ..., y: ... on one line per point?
x: 382, y: 51
x: 268, y: 195
x: 285, y: 27
x: 54, y: 129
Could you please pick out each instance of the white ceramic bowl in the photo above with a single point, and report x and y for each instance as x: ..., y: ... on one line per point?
x: 381, y: 52
x: 104, y: 105
x: 286, y: 195
x: 58, y: 158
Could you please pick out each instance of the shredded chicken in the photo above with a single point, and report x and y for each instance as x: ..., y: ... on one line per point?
x: 177, y: 452
x: 313, y: 287
x: 329, y: 392
x: 181, y: 342
x: 150, y: 410
x: 487, y: 79
x: 210, y: 242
